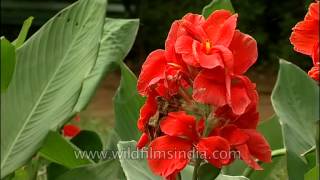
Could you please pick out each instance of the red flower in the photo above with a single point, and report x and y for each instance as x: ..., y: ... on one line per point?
x: 216, y: 88
x: 248, y: 142
x: 305, y: 38
x: 180, y: 136
x: 70, y: 130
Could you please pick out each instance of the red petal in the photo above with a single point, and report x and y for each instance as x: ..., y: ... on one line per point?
x: 192, y: 23
x: 313, y: 12
x: 152, y: 71
x: 314, y: 73
x: 247, y: 158
x: 189, y: 49
x: 70, y: 130
x: 168, y: 155
x: 220, y: 27
x: 144, y: 139
x: 245, y: 52
x: 210, y: 87
x: 234, y: 135
x: 179, y: 124
x: 304, y: 36
x: 220, y: 56
x: 315, y: 54
x: 147, y: 111
x: 248, y: 120
x: 258, y: 145
x: 212, y: 148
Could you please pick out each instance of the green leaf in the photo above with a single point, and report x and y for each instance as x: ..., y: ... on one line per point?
x: 58, y: 150
x: 8, y: 61
x: 226, y: 177
x: 294, y: 99
x: 216, y: 5
x: 127, y: 103
x: 102, y: 171
x: 117, y: 40
x: 134, y: 167
x: 23, y: 33
x: 312, y: 174
x: 45, y: 87
x: 55, y: 170
x: 208, y: 172
x: 88, y: 141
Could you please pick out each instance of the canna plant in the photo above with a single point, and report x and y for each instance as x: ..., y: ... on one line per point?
x: 191, y: 114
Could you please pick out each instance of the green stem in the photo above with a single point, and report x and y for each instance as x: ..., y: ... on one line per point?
x: 195, y: 170
x: 317, y: 144
x: 275, y: 153
x: 179, y: 176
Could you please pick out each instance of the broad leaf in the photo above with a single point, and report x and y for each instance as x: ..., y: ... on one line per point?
x: 23, y: 32
x: 216, y: 5
x: 58, y: 150
x: 295, y: 101
x: 102, y: 171
x: 117, y: 40
x: 208, y: 172
x: 8, y: 61
x: 312, y: 174
x: 127, y: 103
x: 226, y: 177
x: 88, y: 141
x: 50, y: 69
x: 134, y: 167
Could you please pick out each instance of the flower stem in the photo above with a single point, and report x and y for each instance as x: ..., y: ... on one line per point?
x: 195, y: 170
x: 275, y: 153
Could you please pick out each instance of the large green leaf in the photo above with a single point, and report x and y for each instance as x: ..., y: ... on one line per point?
x: 58, y: 150
x: 226, y: 177
x: 102, y: 171
x: 127, y: 103
x: 50, y: 69
x: 216, y: 5
x: 208, y: 172
x: 117, y: 40
x: 23, y: 32
x: 134, y: 167
x: 8, y: 61
x: 295, y: 99
x: 88, y: 141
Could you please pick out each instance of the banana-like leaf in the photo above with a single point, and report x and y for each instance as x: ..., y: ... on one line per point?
x: 50, y: 69
x: 295, y: 99
x: 117, y: 40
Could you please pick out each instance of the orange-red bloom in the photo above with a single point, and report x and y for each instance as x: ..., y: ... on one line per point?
x: 70, y: 130
x: 305, y: 37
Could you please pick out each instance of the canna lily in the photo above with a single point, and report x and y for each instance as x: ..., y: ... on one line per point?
x: 305, y: 38
x: 70, y: 130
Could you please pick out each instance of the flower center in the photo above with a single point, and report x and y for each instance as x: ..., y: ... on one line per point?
x: 207, y: 46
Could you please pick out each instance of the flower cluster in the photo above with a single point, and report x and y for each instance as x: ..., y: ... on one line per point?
x: 305, y: 38
x: 198, y: 98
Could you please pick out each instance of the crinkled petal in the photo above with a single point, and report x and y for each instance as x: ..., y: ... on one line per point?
x: 304, y: 36
x: 70, y: 130
x: 234, y: 135
x: 168, y: 155
x: 153, y: 70
x: 189, y: 48
x: 314, y: 73
x: 258, y: 145
x: 248, y: 120
x: 313, y: 12
x: 144, y: 139
x: 147, y: 111
x: 210, y: 87
x: 220, y: 27
x: 180, y: 124
x: 244, y: 50
x: 247, y: 158
x: 215, y: 150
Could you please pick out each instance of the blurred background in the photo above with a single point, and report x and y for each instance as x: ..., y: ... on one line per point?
x: 268, y: 21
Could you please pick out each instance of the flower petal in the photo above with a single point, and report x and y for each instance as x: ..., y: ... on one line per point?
x: 220, y: 27
x: 304, y: 36
x: 70, y: 130
x: 215, y: 150
x: 210, y: 87
x: 168, y: 155
x: 144, y: 139
x: 314, y: 73
x: 244, y: 50
x: 258, y: 145
x: 149, y: 108
x: 247, y: 158
x: 152, y: 71
x: 234, y: 135
x: 248, y: 120
x: 313, y: 12
x: 180, y: 124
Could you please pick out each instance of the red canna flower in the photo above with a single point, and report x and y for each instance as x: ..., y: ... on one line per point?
x: 181, y: 135
x: 305, y: 37
x: 70, y: 130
